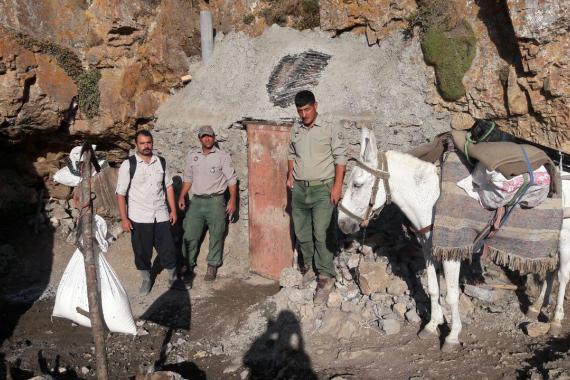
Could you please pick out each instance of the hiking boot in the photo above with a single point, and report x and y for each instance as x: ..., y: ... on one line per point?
x: 324, y: 287
x: 308, y: 275
x: 172, y: 277
x: 188, y: 277
x: 146, y: 283
x: 211, y: 273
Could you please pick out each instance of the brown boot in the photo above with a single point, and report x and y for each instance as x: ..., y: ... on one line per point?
x: 324, y: 287
x: 211, y: 273
x: 308, y: 274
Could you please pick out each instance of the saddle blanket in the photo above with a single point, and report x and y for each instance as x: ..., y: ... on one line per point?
x: 527, y: 243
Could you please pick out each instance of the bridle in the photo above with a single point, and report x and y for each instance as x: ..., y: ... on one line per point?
x: 380, y: 174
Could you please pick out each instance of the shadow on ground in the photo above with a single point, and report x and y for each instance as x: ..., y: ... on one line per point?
x: 279, y: 353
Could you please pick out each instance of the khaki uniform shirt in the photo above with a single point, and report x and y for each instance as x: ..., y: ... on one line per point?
x: 209, y: 173
x: 315, y: 151
x: 147, y: 201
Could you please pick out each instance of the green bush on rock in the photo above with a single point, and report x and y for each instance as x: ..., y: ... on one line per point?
x: 88, y: 92
x: 451, y: 53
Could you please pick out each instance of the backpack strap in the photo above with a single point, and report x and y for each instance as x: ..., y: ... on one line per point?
x: 132, y: 169
x: 163, y: 164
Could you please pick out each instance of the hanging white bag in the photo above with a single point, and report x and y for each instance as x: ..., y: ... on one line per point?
x: 65, y: 176
x: 72, y: 289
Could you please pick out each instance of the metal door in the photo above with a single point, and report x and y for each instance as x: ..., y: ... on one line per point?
x: 270, y: 232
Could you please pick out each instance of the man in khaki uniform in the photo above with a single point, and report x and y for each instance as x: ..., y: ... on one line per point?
x: 148, y: 185
x: 316, y: 167
x: 208, y: 173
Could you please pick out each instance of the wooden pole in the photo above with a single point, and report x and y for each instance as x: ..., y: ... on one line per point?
x: 95, y: 314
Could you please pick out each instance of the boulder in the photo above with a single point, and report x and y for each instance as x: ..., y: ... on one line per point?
x: 290, y: 278
x: 390, y: 326
x: 373, y: 277
x: 535, y: 329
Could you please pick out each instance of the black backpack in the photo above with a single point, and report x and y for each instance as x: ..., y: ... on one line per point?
x: 133, y: 169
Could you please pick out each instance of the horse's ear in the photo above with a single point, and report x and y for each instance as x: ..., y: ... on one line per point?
x: 364, y: 151
x: 364, y: 142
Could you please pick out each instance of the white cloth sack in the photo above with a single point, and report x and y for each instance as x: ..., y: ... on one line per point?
x: 72, y: 289
x: 493, y: 190
x: 65, y: 176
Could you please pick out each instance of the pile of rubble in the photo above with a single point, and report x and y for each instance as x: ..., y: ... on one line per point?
x: 370, y: 291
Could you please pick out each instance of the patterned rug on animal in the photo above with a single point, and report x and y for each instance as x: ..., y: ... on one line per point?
x: 528, y: 242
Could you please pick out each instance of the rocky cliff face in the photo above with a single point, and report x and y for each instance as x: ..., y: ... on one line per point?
x: 79, y: 69
x: 140, y: 49
x: 520, y: 75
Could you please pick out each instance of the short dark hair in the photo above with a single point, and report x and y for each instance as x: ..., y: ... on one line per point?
x: 143, y: 132
x: 303, y: 98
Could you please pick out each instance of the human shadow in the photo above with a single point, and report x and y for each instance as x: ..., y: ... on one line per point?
x: 172, y: 310
x: 279, y: 352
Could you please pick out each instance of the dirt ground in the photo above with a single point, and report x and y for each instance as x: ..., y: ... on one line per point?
x: 187, y: 332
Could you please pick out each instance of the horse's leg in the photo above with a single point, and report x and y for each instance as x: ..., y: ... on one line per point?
x: 436, y: 315
x: 563, y: 277
x: 451, y: 270
x: 534, y: 309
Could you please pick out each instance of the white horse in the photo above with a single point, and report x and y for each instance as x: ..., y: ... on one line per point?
x: 413, y: 185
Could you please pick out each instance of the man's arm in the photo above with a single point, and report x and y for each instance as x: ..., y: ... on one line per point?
x: 182, y: 197
x: 232, y: 203
x: 290, y: 179
x: 336, y: 191
x: 171, y: 204
x: 125, y: 222
x: 123, y: 182
x: 339, y: 148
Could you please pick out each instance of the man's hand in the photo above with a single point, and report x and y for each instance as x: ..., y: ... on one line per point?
x: 231, y: 208
x: 126, y: 224
x: 290, y: 182
x: 182, y: 203
x: 336, y: 193
x: 173, y: 217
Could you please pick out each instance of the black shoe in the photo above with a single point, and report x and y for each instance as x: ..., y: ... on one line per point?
x: 188, y: 278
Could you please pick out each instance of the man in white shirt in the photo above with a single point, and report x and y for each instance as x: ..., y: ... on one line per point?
x: 145, y: 179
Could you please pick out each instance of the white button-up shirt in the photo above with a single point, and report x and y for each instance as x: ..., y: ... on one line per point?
x: 147, y: 201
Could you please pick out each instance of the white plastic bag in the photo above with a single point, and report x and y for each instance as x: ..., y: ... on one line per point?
x: 65, y: 176
x: 72, y: 289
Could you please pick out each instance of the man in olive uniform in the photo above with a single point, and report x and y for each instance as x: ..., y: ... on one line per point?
x: 316, y: 167
x: 208, y: 173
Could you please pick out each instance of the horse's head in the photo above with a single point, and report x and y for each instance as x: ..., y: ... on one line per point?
x: 357, y: 196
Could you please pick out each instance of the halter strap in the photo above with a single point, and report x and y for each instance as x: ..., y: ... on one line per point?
x: 381, y: 173
x: 421, y: 231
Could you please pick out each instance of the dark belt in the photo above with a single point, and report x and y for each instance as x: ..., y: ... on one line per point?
x: 208, y: 196
x: 317, y: 182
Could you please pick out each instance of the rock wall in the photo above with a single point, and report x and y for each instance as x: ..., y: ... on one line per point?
x: 520, y: 75
x: 141, y: 48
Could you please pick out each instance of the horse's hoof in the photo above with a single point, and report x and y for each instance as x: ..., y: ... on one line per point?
x: 449, y: 347
x: 555, y: 329
x: 427, y: 334
x: 532, y: 313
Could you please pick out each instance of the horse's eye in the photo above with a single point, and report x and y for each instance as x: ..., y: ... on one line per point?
x: 357, y: 184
